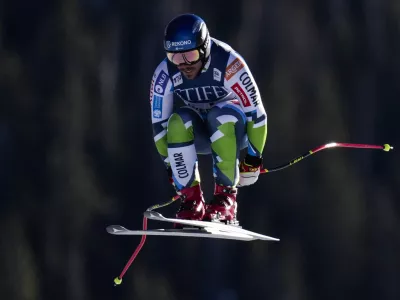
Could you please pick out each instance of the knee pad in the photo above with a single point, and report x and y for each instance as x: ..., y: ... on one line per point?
x: 178, y: 131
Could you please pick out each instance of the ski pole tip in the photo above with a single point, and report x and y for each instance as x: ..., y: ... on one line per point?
x: 117, y: 281
x: 387, y: 147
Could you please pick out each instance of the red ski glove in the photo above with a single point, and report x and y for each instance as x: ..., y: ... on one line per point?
x: 249, y: 170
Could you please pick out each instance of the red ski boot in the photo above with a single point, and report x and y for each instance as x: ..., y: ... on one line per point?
x: 192, y: 205
x: 223, y: 207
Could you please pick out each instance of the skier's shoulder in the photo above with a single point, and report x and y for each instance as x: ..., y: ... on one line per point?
x: 162, y: 68
x: 232, y: 54
x: 161, y: 78
x: 225, y: 47
x: 221, y: 45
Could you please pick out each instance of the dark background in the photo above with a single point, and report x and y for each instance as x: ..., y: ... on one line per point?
x: 77, y: 152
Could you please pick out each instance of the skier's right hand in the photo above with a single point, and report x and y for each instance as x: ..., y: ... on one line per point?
x: 249, y: 170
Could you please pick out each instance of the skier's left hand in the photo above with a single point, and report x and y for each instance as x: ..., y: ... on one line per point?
x: 249, y: 170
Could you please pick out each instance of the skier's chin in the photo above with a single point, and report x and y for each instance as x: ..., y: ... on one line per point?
x: 190, y: 71
x: 189, y: 75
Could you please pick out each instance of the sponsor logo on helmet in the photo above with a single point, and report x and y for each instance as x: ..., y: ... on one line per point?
x: 170, y: 44
x: 161, y: 83
x: 235, y: 66
x: 207, y: 43
x: 157, y: 106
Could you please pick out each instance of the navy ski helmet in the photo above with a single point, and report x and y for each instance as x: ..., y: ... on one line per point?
x: 187, y: 32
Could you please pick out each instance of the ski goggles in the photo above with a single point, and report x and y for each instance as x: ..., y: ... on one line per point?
x: 188, y: 57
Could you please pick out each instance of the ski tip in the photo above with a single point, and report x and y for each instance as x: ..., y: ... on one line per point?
x: 115, y: 229
x: 152, y: 215
x: 117, y: 281
x: 268, y: 238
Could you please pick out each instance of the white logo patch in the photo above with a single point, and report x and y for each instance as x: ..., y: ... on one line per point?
x: 177, y: 79
x: 157, y: 113
x: 217, y: 74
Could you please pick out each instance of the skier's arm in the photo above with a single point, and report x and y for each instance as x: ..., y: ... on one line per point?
x: 161, y: 100
x: 240, y: 81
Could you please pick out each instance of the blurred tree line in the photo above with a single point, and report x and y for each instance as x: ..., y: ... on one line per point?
x: 77, y: 153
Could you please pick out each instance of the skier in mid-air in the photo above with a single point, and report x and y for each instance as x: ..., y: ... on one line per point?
x: 222, y: 113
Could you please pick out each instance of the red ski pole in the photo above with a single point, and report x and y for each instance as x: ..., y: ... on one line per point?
x: 118, y: 280
x: 385, y: 147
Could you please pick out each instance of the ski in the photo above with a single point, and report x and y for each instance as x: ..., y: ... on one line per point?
x: 201, y: 229
x: 212, y: 226
x: 185, y: 232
